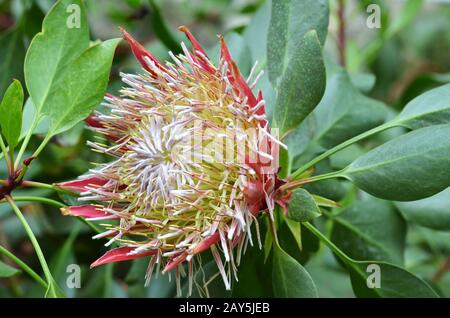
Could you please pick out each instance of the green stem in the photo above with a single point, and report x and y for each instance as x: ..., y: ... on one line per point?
x: 37, y: 248
x: 34, y: 184
x: 90, y: 225
x: 56, y: 204
x: 336, y: 250
x: 23, y: 266
x: 328, y: 243
x: 51, y: 202
x: 341, y: 146
x: 42, y: 145
x: 5, y: 154
x: 297, y: 183
x: 26, y: 141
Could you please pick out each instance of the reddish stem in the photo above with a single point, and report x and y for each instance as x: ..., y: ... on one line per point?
x: 15, y: 179
x: 342, y: 40
x: 444, y: 268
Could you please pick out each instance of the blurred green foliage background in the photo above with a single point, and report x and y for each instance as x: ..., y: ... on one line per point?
x: 408, y: 55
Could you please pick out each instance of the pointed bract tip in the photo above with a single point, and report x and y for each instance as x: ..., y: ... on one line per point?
x: 118, y: 255
x: 65, y: 210
x: 81, y: 185
x: 183, y: 28
x: 87, y: 211
x: 174, y: 262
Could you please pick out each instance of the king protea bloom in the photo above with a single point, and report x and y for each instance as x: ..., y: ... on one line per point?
x: 170, y: 192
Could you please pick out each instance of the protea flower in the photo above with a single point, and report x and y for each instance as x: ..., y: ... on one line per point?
x: 172, y: 193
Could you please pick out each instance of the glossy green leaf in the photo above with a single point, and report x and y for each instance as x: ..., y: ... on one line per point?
x: 395, y: 282
x: 432, y: 212
x: 301, y: 85
x: 346, y: 156
x: 52, y: 50
x: 370, y: 230
x: 290, y: 20
x: 289, y: 278
x: 331, y: 188
x: 323, y: 270
x: 11, y: 113
x: 7, y: 271
x: 29, y: 113
x: 410, y: 167
x: 430, y: 108
x: 81, y: 88
x: 296, y: 241
x: 325, y: 202
x: 344, y: 112
x: 299, y: 139
x: 295, y: 229
x: 289, y: 238
x: 378, y: 279
x: 252, y: 274
x: 363, y: 81
x: 302, y: 206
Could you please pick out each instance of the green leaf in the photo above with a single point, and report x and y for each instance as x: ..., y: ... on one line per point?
x: 344, y: 112
x: 11, y: 113
x: 12, y: 54
x: 7, y: 271
x: 252, y: 273
x: 346, y: 156
x: 301, y: 85
x: 378, y: 279
x: 370, y: 230
x: 290, y: 20
x: 81, y: 88
x: 299, y: 139
x: 29, y: 113
x: 410, y: 167
x: 302, y: 206
x: 321, y: 201
x: 295, y: 229
x: 331, y: 188
x: 395, y: 282
x: 363, y: 81
x: 432, y: 212
x: 297, y: 242
x: 430, y: 108
x: 323, y: 270
x: 52, y: 50
x: 289, y: 278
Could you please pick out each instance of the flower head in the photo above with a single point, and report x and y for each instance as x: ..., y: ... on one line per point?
x: 194, y: 163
